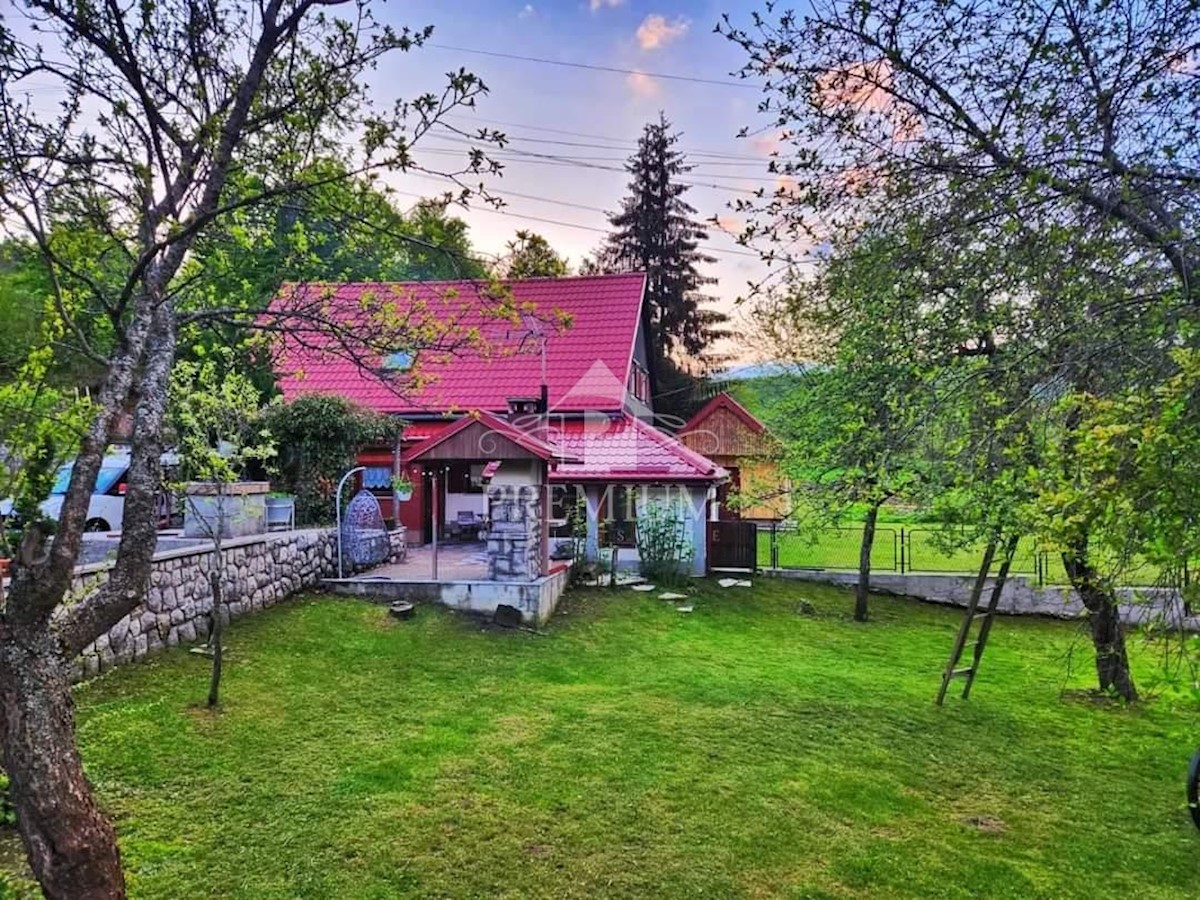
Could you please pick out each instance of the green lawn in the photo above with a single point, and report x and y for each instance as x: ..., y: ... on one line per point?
x: 634, y: 751
x: 829, y: 547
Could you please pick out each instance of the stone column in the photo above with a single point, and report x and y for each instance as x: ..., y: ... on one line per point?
x: 513, y: 545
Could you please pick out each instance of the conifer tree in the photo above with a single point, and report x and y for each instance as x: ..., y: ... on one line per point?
x: 656, y: 232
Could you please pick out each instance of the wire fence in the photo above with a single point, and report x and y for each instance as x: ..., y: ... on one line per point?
x: 895, y: 549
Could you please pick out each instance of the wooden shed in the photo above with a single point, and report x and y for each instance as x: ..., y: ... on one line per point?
x: 729, y: 434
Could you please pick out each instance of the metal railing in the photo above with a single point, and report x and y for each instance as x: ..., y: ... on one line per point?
x: 895, y: 549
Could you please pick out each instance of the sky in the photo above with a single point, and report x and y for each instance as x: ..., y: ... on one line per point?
x: 591, y: 117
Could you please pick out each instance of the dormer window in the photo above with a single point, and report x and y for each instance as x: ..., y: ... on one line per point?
x: 639, y: 383
x: 398, y: 361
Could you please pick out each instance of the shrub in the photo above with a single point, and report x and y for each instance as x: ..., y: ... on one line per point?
x: 318, y: 437
x: 664, y: 546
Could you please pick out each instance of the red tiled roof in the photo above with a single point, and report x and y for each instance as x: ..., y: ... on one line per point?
x: 587, y: 364
x: 723, y: 401
x: 420, y: 431
x: 626, y: 449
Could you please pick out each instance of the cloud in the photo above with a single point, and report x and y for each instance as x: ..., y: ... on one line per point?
x: 767, y: 143
x: 641, y: 84
x: 864, y: 86
x: 730, y: 224
x: 596, y: 5
x: 655, y: 31
x: 526, y: 11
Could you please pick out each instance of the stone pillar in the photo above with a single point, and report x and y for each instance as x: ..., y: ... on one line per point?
x: 514, y: 532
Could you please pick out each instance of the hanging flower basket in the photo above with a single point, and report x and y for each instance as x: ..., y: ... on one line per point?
x: 402, y: 488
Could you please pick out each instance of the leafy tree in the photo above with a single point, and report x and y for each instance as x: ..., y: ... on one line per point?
x: 318, y: 436
x: 531, y: 256
x: 24, y: 291
x: 656, y: 232
x: 859, y: 424
x: 438, y: 248
x: 1065, y: 133
x: 216, y: 420
x: 153, y: 143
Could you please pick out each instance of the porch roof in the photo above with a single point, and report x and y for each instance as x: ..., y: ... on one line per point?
x: 485, y: 436
x: 625, y: 449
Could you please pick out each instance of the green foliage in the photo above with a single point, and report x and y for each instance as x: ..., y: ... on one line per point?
x: 1128, y: 475
x: 664, y: 543
x: 42, y: 425
x: 215, y: 415
x: 318, y: 437
x: 531, y: 256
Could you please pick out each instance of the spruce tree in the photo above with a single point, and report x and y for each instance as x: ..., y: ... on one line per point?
x: 656, y: 232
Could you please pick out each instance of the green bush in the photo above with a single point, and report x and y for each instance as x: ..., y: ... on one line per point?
x: 318, y: 437
x: 664, y: 546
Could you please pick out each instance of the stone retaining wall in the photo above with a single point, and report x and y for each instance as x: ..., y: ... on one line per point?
x: 260, y: 572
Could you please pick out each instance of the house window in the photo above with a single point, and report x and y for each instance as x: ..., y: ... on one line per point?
x: 398, y: 361
x: 618, y: 517
x: 639, y: 383
x: 377, y: 478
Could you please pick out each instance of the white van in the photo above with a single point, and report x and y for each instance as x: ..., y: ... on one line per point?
x: 106, y: 510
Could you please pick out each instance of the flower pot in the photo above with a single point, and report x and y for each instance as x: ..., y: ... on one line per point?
x: 5, y: 566
x: 281, y: 513
x: 404, y: 496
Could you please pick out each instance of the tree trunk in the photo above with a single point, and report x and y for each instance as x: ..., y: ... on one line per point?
x: 215, y: 636
x: 1108, y: 634
x: 70, y: 844
x: 862, y: 592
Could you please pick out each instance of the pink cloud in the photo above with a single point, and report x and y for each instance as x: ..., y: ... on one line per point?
x: 655, y: 31
x: 641, y: 84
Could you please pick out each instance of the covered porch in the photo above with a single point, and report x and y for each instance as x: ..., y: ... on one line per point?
x: 492, y: 546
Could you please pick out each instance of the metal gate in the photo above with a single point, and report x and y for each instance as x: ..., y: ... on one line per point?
x: 732, y: 545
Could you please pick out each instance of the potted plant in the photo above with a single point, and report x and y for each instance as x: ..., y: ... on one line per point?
x: 402, y: 488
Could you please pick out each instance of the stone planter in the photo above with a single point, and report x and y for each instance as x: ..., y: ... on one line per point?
x: 281, y: 513
x: 240, y: 509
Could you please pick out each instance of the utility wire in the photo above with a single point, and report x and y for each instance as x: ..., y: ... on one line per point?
x: 626, y: 147
x: 598, y: 68
x: 564, y: 224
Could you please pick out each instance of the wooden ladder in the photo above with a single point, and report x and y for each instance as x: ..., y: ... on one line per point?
x: 972, y: 615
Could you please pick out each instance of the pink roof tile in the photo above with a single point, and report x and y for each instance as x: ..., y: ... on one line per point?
x: 623, y: 448
x: 587, y: 363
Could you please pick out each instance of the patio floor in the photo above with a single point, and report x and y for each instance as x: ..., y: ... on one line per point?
x: 456, y: 562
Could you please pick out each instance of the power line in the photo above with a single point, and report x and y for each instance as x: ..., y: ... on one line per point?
x: 598, y: 68
x: 543, y: 159
x: 630, y: 145
x: 563, y: 224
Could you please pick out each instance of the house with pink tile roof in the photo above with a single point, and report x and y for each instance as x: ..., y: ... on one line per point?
x: 548, y: 383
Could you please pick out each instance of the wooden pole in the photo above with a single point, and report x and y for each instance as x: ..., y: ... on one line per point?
x: 544, y: 527
x: 434, y: 525
x: 396, y: 472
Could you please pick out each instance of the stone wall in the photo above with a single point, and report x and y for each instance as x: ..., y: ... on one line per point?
x: 260, y: 572
x: 514, y: 533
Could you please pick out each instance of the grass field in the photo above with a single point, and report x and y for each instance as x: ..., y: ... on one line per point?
x: 634, y: 751
x: 829, y: 547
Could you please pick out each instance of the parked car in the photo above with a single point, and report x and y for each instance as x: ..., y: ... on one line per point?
x: 106, y: 510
